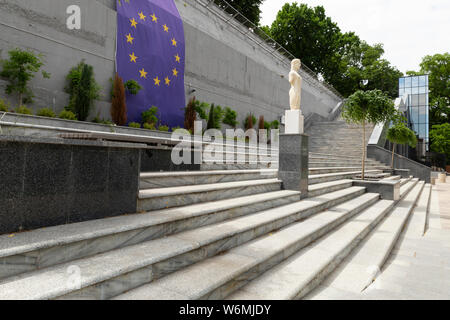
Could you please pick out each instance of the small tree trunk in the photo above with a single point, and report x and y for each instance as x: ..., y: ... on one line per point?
x: 363, y: 173
x: 393, y: 152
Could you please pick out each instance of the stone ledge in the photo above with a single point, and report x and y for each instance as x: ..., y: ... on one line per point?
x: 389, y: 190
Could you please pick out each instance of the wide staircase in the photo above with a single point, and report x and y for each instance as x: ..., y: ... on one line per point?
x: 228, y: 231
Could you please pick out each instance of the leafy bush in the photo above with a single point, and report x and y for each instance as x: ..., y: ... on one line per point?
x: 176, y: 128
x: 4, y: 106
x: 230, y: 117
x: 67, y: 115
x: 163, y: 128
x: 102, y: 121
x: 133, y: 87
x: 46, y: 112
x: 440, y: 139
x: 149, y: 126
x: 83, y: 90
x: 134, y: 125
x: 202, y: 109
x: 118, y: 103
x: 210, y: 124
x: 275, y: 124
x: 149, y: 116
x: 24, y: 110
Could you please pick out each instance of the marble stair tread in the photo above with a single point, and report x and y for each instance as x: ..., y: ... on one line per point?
x: 407, y: 187
x: 61, y: 235
x: 204, y: 173
x: 217, y: 277
x: 322, y: 188
x: 298, y: 275
x: 51, y: 283
x: 364, y: 265
x: 393, y: 178
x: 182, y: 190
x: 319, y: 178
x: 403, y: 181
x: 418, y: 223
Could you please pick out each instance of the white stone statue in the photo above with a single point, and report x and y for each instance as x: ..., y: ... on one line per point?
x: 295, y: 94
x: 294, y: 119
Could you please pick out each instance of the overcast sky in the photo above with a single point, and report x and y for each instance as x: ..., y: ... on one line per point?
x: 409, y: 29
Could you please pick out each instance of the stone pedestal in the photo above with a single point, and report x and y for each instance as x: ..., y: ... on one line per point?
x: 294, y: 162
x: 294, y: 122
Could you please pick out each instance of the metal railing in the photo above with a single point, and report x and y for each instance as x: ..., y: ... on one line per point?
x: 227, y: 13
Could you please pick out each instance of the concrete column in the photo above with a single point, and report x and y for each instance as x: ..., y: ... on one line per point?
x: 294, y: 162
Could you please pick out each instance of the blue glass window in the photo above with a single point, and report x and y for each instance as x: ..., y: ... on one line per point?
x: 401, y: 82
x: 407, y: 82
x: 415, y: 81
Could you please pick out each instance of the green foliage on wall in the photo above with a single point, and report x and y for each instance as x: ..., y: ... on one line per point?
x: 83, y: 90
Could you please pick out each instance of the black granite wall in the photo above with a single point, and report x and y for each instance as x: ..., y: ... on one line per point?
x: 48, y: 182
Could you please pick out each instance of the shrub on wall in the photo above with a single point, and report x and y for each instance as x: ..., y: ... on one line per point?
x: 149, y: 126
x: 118, y: 104
x: 46, y: 112
x: 133, y: 87
x: 24, y: 110
x: 4, y: 106
x: 67, y: 115
x: 163, y: 128
x: 149, y: 116
x: 134, y: 125
x: 230, y: 117
x: 82, y: 89
x: 250, y: 122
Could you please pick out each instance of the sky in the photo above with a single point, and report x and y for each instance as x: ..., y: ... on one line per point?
x: 409, y: 29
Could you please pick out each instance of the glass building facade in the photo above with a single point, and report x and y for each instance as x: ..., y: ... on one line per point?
x: 417, y: 106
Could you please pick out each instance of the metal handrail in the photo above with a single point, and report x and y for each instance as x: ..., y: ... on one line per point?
x: 279, y: 52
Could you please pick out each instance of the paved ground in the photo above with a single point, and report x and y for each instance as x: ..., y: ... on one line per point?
x: 419, y: 265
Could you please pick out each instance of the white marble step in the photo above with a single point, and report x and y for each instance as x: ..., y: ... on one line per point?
x: 37, y: 249
x: 326, y: 187
x: 363, y: 266
x: 217, y: 277
x: 325, y: 170
x: 321, y: 178
x: 407, y: 187
x: 403, y: 181
x: 393, y: 178
x: 112, y: 273
x: 153, y: 180
x: 211, y: 165
x: 332, y: 163
x: 163, y: 198
x: 295, y: 277
x: 418, y: 224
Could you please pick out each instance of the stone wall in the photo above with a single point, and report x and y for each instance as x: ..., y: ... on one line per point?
x: 223, y: 66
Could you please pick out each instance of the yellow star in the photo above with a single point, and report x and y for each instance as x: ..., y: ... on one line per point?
x: 133, y: 23
x: 167, y: 80
x: 175, y: 72
x: 129, y: 38
x: 143, y: 73
x: 133, y: 58
x: 166, y: 28
x: 154, y: 18
x: 177, y: 58
x: 157, y: 81
x: 142, y: 16
x: 174, y: 42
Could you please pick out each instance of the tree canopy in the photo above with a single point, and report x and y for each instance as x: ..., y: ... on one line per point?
x: 342, y: 59
x: 401, y: 134
x: 440, y: 139
x: 248, y: 8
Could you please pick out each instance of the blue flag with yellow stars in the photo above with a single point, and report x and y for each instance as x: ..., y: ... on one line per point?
x: 151, y: 50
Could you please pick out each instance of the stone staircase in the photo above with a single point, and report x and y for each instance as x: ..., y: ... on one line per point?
x: 228, y: 231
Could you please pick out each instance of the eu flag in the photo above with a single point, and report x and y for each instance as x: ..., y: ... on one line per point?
x: 151, y: 50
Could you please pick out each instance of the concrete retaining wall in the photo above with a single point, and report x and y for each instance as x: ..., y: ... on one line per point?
x: 223, y: 66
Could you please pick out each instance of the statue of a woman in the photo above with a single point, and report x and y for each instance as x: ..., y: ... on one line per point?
x: 295, y: 79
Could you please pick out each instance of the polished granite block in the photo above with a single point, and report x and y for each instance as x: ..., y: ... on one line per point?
x: 294, y: 163
x: 48, y: 182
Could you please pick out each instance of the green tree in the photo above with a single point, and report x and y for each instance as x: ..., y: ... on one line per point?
x: 210, y: 124
x: 343, y: 59
x: 438, y: 69
x: 19, y: 69
x: 401, y: 134
x: 150, y: 117
x: 365, y: 107
x: 308, y: 34
x: 440, y: 139
x: 83, y: 90
x: 133, y: 87
x: 248, y: 8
